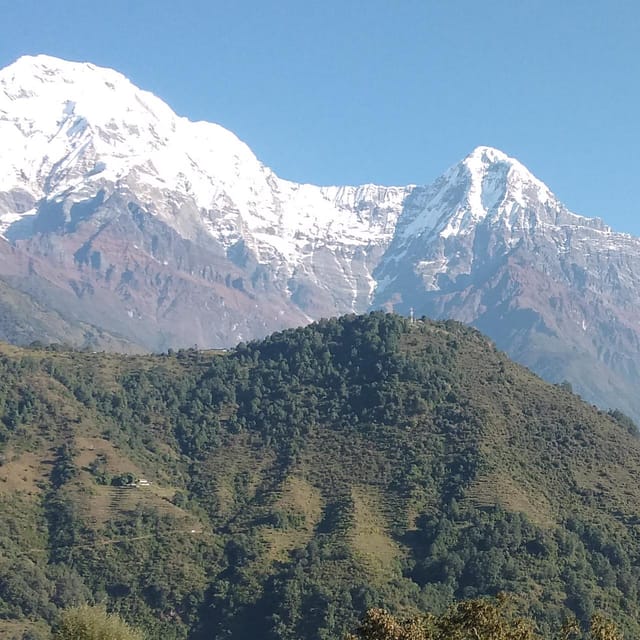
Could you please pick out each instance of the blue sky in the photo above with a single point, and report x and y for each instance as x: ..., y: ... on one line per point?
x: 394, y: 92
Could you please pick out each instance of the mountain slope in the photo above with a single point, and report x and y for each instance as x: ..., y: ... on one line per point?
x: 292, y: 483
x: 490, y: 245
x: 124, y: 218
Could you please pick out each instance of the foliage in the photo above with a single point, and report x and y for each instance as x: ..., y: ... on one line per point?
x: 297, y: 481
x: 93, y: 623
x: 480, y: 619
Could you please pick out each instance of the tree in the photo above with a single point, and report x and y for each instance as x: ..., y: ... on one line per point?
x: 602, y: 629
x: 480, y: 619
x: 94, y: 623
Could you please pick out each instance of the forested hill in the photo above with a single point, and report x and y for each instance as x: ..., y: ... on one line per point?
x: 280, y: 489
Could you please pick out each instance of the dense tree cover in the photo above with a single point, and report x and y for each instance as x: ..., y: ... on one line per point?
x: 295, y: 482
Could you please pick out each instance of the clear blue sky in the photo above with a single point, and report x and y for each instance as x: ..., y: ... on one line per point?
x: 387, y: 91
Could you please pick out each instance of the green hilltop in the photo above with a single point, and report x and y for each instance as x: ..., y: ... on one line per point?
x: 281, y: 489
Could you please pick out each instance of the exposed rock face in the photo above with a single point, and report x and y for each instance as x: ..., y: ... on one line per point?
x: 126, y: 226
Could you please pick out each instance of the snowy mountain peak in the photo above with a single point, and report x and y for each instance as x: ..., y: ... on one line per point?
x: 488, y: 190
x: 48, y: 69
x: 487, y: 155
x: 486, y: 184
x: 72, y: 131
x: 49, y: 91
x: 66, y: 123
x: 488, y: 201
x: 490, y: 168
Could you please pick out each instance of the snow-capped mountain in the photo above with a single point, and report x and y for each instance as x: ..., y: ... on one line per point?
x: 490, y: 192
x: 74, y: 133
x: 489, y: 244
x: 124, y: 225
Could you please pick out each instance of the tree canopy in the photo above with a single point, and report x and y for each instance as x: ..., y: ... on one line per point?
x: 282, y: 488
x: 93, y: 623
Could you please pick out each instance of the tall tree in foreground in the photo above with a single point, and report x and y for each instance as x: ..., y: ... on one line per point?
x: 94, y: 623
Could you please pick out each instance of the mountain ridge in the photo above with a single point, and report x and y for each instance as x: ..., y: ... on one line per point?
x: 159, y: 163
x: 125, y: 217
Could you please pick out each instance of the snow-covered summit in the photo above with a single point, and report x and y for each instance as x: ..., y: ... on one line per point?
x: 73, y: 132
x: 487, y: 185
x: 67, y: 125
x: 71, y: 129
x: 491, y: 170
